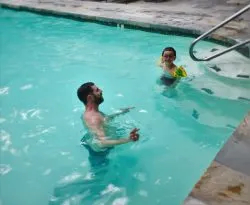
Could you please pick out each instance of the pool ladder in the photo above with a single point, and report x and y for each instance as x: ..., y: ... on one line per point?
x: 212, y: 30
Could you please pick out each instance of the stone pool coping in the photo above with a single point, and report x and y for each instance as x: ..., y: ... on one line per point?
x: 227, y: 180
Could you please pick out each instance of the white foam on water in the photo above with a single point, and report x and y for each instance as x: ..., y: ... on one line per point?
x: 72, y: 124
x: 53, y: 198
x: 4, y: 136
x: 120, y: 95
x: 26, y: 87
x: 41, y: 131
x: 64, y: 153
x: 4, y: 91
x: 110, y: 189
x: 120, y: 201
x: 6, y: 139
x: 66, y: 202
x: 5, y: 169
x: 77, y: 109
x: 23, y: 116
x: 169, y: 179
x: 31, y: 113
x: 89, y: 176
x: 70, y: 178
x: 36, y: 114
x: 143, y: 111
x: 74, y: 200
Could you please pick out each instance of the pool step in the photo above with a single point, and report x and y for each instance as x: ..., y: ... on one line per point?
x: 230, y: 65
x: 222, y: 87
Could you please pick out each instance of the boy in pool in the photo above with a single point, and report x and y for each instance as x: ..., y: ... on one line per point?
x: 171, y: 73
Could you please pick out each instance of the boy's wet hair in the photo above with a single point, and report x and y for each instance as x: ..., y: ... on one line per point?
x: 169, y: 49
x: 84, y: 90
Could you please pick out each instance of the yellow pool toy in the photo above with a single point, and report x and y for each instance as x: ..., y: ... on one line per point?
x: 180, y: 72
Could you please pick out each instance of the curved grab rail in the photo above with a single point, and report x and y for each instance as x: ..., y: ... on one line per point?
x: 213, y: 29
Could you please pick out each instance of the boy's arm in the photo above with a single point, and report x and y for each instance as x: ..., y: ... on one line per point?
x: 160, y: 63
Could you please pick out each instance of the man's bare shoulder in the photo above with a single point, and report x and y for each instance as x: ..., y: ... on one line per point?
x: 93, y: 118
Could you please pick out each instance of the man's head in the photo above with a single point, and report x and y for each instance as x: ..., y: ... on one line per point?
x: 168, y: 55
x: 90, y: 93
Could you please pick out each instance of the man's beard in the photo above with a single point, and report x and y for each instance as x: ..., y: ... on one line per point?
x: 99, y: 100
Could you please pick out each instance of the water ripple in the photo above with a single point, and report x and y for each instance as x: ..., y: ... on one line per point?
x: 2, y: 120
x: 110, y: 189
x: 70, y: 178
x: 31, y: 113
x: 4, y: 91
x: 5, y: 138
x: 120, y: 201
x: 5, y: 169
x: 26, y: 87
x: 41, y: 130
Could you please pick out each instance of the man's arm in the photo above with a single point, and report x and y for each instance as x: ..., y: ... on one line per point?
x: 120, y: 112
x: 110, y: 143
x: 97, y: 129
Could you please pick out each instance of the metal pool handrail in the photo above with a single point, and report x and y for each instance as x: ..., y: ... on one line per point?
x: 213, y: 29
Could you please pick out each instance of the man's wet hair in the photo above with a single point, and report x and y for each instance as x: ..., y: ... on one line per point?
x: 84, y: 90
x: 169, y: 49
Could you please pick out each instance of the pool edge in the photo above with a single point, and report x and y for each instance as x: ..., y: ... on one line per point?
x: 227, y: 179
x: 129, y: 24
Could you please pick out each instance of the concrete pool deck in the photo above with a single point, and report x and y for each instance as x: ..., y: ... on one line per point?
x: 227, y: 180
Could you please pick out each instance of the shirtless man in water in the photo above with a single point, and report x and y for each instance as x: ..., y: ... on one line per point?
x: 94, y: 120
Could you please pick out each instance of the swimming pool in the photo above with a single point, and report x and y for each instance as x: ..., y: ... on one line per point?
x: 45, y: 59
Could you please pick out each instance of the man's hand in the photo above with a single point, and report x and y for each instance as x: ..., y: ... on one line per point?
x: 124, y: 110
x: 134, y: 136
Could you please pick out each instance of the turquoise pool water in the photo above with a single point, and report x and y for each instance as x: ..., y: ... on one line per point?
x: 43, y: 61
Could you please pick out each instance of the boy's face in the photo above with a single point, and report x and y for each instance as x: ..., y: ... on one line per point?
x: 168, y: 57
